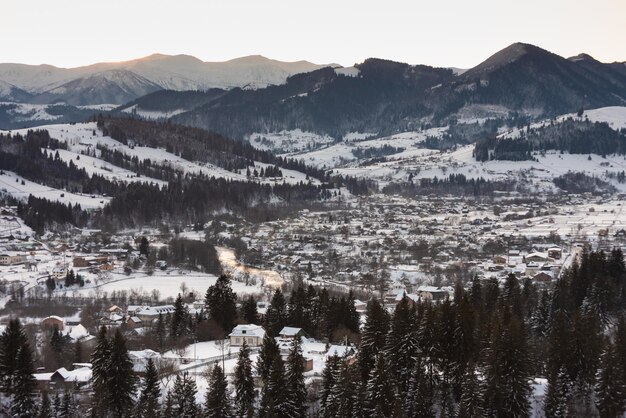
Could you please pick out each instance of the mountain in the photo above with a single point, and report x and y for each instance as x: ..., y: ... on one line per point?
x: 523, y: 77
x: 173, y: 72
x: 112, y: 86
x: 371, y: 98
x: 10, y: 93
x: 387, y: 97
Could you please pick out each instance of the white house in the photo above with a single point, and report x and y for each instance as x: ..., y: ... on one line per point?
x: 252, y: 334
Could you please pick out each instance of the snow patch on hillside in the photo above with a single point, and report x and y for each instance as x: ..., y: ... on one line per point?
x: 20, y: 188
x: 614, y: 116
x: 24, y: 112
x: 152, y: 114
x: 289, y: 141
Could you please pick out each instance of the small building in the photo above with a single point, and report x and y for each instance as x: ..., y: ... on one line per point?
x: 290, y: 333
x: 52, y: 322
x: 148, y: 314
x: 250, y: 333
x: 432, y: 293
x: 59, y: 273
x: 12, y: 259
x: 542, y: 277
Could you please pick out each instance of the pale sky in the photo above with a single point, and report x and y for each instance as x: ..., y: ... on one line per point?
x: 70, y: 33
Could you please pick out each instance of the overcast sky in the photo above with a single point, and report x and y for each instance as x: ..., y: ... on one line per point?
x: 70, y: 33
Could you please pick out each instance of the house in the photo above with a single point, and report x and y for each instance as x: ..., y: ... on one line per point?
x: 59, y: 273
x: 63, y: 378
x: 432, y: 293
x: 52, y: 322
x: 555, y: 253
x: 133, y: 322
x: 499, y: 259
x: 543, y: 277
x: 11, y: 259
x: 250, y: 333
x: 140, y: 359
x: 536, y: 257
x: 147, y: 314
x: 289, y: 333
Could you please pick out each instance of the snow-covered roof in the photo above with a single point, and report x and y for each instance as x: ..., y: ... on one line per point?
x: 77, y: 332
x: 290, y: 331
x: 248, y: 330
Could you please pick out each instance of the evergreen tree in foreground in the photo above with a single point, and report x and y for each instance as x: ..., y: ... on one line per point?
x: 120, y: 377
x: 221, y: 303
x: 296, y: 390
x: 217, y: 401
x: 380, y: 397
x: 148, y: 404
x: 244, y: 384
x: 24, y: 385
x: 183, y: 398
x: 610, y: 389
x: 99, y: 367
x: 45, y: 407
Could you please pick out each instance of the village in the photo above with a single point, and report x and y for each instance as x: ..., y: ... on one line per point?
x: 389, y: 247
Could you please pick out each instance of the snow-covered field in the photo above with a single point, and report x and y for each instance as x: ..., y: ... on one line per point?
x: 342, y: 153
x: 167, y: 285
x: 11, y: 183
x: 151, y: 114
x: 289, y: 141
x: 614, y: 116
x: 24, y: 112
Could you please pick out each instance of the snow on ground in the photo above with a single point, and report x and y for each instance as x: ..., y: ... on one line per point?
x: 24, y: 112
x: 8, y: 184
x: 169, y: 284
x: 102, y: 168
x: 102, y: 107
x: 357, y: 136
x: 289, y: 141
x: 537, y: 175
x: 151, y: 114
x: 614, y: 116
x: 84, y: 137
x: 342, y: 153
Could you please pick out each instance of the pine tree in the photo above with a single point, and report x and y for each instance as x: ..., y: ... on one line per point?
x: 296, y: 390
x: 506, y: 387
x: 184, y: 397
x: 68, y: 406
x: 11, y: 342
x: 45, y: 407
x: 380, y: 394
x: 401, y: 347
x: 57, y: 405
x: 269, y: 352
x: 352, y: 319
x: 217, y: 401
x: 99, y: 378
x: 329, y: 380
x: 178, y: 325
x: 470, y: 405
x: 249, y: 312
x: 160, y: 332
x: 557, y: 396
x: 244, y: 384
x: 276, y: 314
x: 373, y: 337
x: 221, y: 303
x: 24, y: 385
x: 273, y: 392
x: 148, y: 404
x: 120, y: 378
x: 610, y: 390
x: 419, y: 400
